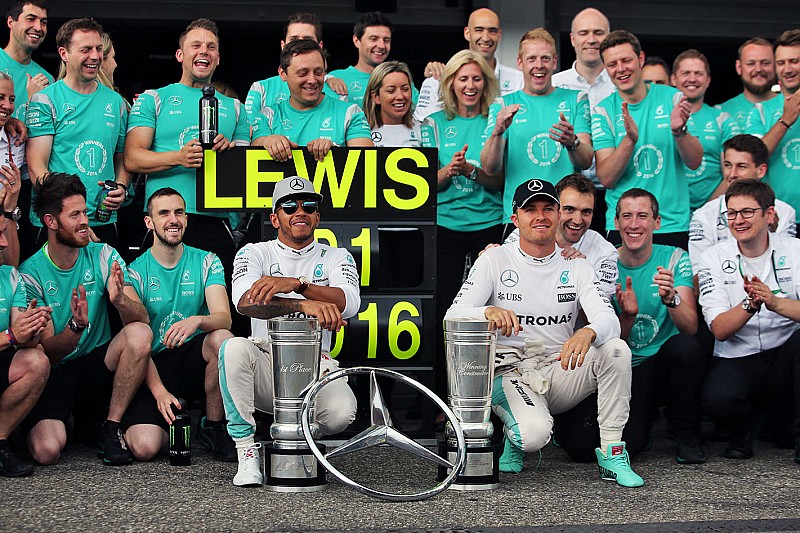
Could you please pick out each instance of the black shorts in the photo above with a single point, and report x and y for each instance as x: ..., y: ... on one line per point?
x: 82, y: 386
x: 6, y: 356
x: 182, y: 371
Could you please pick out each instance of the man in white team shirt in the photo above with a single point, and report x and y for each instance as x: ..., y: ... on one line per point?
x: 576, y: 195
x: 749, y: 291
x: 529, y: 287
x: 744, y: 157
x: 588, y: 74
x: 292, y: 276
x: 483, y: 33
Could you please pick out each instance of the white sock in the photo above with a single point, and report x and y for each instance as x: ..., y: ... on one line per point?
x: 245, y: 442
x: 609, y: 436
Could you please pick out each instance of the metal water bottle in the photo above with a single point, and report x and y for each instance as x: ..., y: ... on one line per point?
x: 103, y: 213
x: 209, y: 114
x: 180, y: 438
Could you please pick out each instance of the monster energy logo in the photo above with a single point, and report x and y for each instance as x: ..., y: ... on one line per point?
x: 187, y: 438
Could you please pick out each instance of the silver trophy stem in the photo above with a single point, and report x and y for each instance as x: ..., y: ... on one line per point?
x: 470, y: 349
x: 295, y: 347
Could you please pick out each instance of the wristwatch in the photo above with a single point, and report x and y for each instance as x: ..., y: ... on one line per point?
x: 747, y: 305
x: 575, y: 145
x: 681, y: 133
x: 304, y: 283
x: 472, y: 176
x: 74, y: 327
x: 14, y: 214
x: 676, y: 301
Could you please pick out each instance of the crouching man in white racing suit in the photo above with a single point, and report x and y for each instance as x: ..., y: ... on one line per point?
x: 292, y: 276
x: 528, y: 287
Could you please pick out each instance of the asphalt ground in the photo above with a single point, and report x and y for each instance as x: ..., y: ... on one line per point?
x: 80, y: 494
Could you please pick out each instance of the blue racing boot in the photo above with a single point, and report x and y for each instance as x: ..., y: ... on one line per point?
x: 513, y: 458
x: 615, y: 465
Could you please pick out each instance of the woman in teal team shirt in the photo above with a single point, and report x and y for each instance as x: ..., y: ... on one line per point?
x: 389, y: 106
x: 470, y: 210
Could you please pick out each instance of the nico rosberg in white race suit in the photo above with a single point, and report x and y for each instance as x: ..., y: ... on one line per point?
x: 544, y: 367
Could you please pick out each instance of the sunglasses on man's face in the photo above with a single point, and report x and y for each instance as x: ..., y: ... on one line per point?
x: 309, y: 206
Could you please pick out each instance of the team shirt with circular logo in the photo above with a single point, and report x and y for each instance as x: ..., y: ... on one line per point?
x: 19, y: 74
x: 53, y: 286
x: 739, y: 108
x: 331, y: 119
x: 653, y: 325
x: 174, y: 294
x: 12, y: 294
x: 530, y: 152
x: 656, y: 165
x: 784, y: 163
x: 87, y: 129
x: 356, y: 82
x: 463, y: 204
x: 712, y: 127
x: 173, y: 112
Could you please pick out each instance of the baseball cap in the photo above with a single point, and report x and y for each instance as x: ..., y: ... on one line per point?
x: 531, y: 189
x: 293, y: 186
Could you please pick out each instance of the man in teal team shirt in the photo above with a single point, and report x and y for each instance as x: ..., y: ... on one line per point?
x: 641, y: 140
x: 540, y: 131
x: 163, y: 135
x: 183, y: 289
x: 27, y: 22
x: 756, y: 68
x: 776, y: 120
x: 77, y: 278
x: 272, y: 90
x: 77, y: 126
x: 691, y: 74
x: 24, y: 367
x: 309, y: 117
x: 372, y: 36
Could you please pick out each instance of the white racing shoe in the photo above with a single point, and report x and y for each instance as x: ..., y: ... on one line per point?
x: 249, y: 473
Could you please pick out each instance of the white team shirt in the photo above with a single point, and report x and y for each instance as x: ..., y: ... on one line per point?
x: 510, y: 80
x: 722, y: 288
x: 599, y: 252
x: 545, y: 293
x: 597, y: 91
x: 320, y: 263
x: 396, y: 136
x: 709, y: 226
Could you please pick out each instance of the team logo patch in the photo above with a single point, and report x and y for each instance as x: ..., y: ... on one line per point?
x: 377, y: 137
x: 175, y: 100
x: 109, y: 109
x: 450, y: 132
x: 728, y: 266
x: 535, y: 185
x: 187, y: 275
x: 509, y: 278
x: 566, y: 297
x: 782, y: 261
x: 318, y: 270
x: 68, y: 109
x: 153, y: 283
x: 275, y: 269
x: 296, y: 184
x: 355, y: 86
x: 87, y: 274
x: 564, y: 279
x: 326, y: 123
x: 50, y: 287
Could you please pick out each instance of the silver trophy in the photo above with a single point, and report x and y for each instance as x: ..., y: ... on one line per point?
x: 295, y: 345
x: 470, y: 349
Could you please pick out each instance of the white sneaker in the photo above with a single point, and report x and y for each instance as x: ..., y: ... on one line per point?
x: 249, y: 473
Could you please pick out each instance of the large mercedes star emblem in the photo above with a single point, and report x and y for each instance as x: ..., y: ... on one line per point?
x: 382, y: 433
